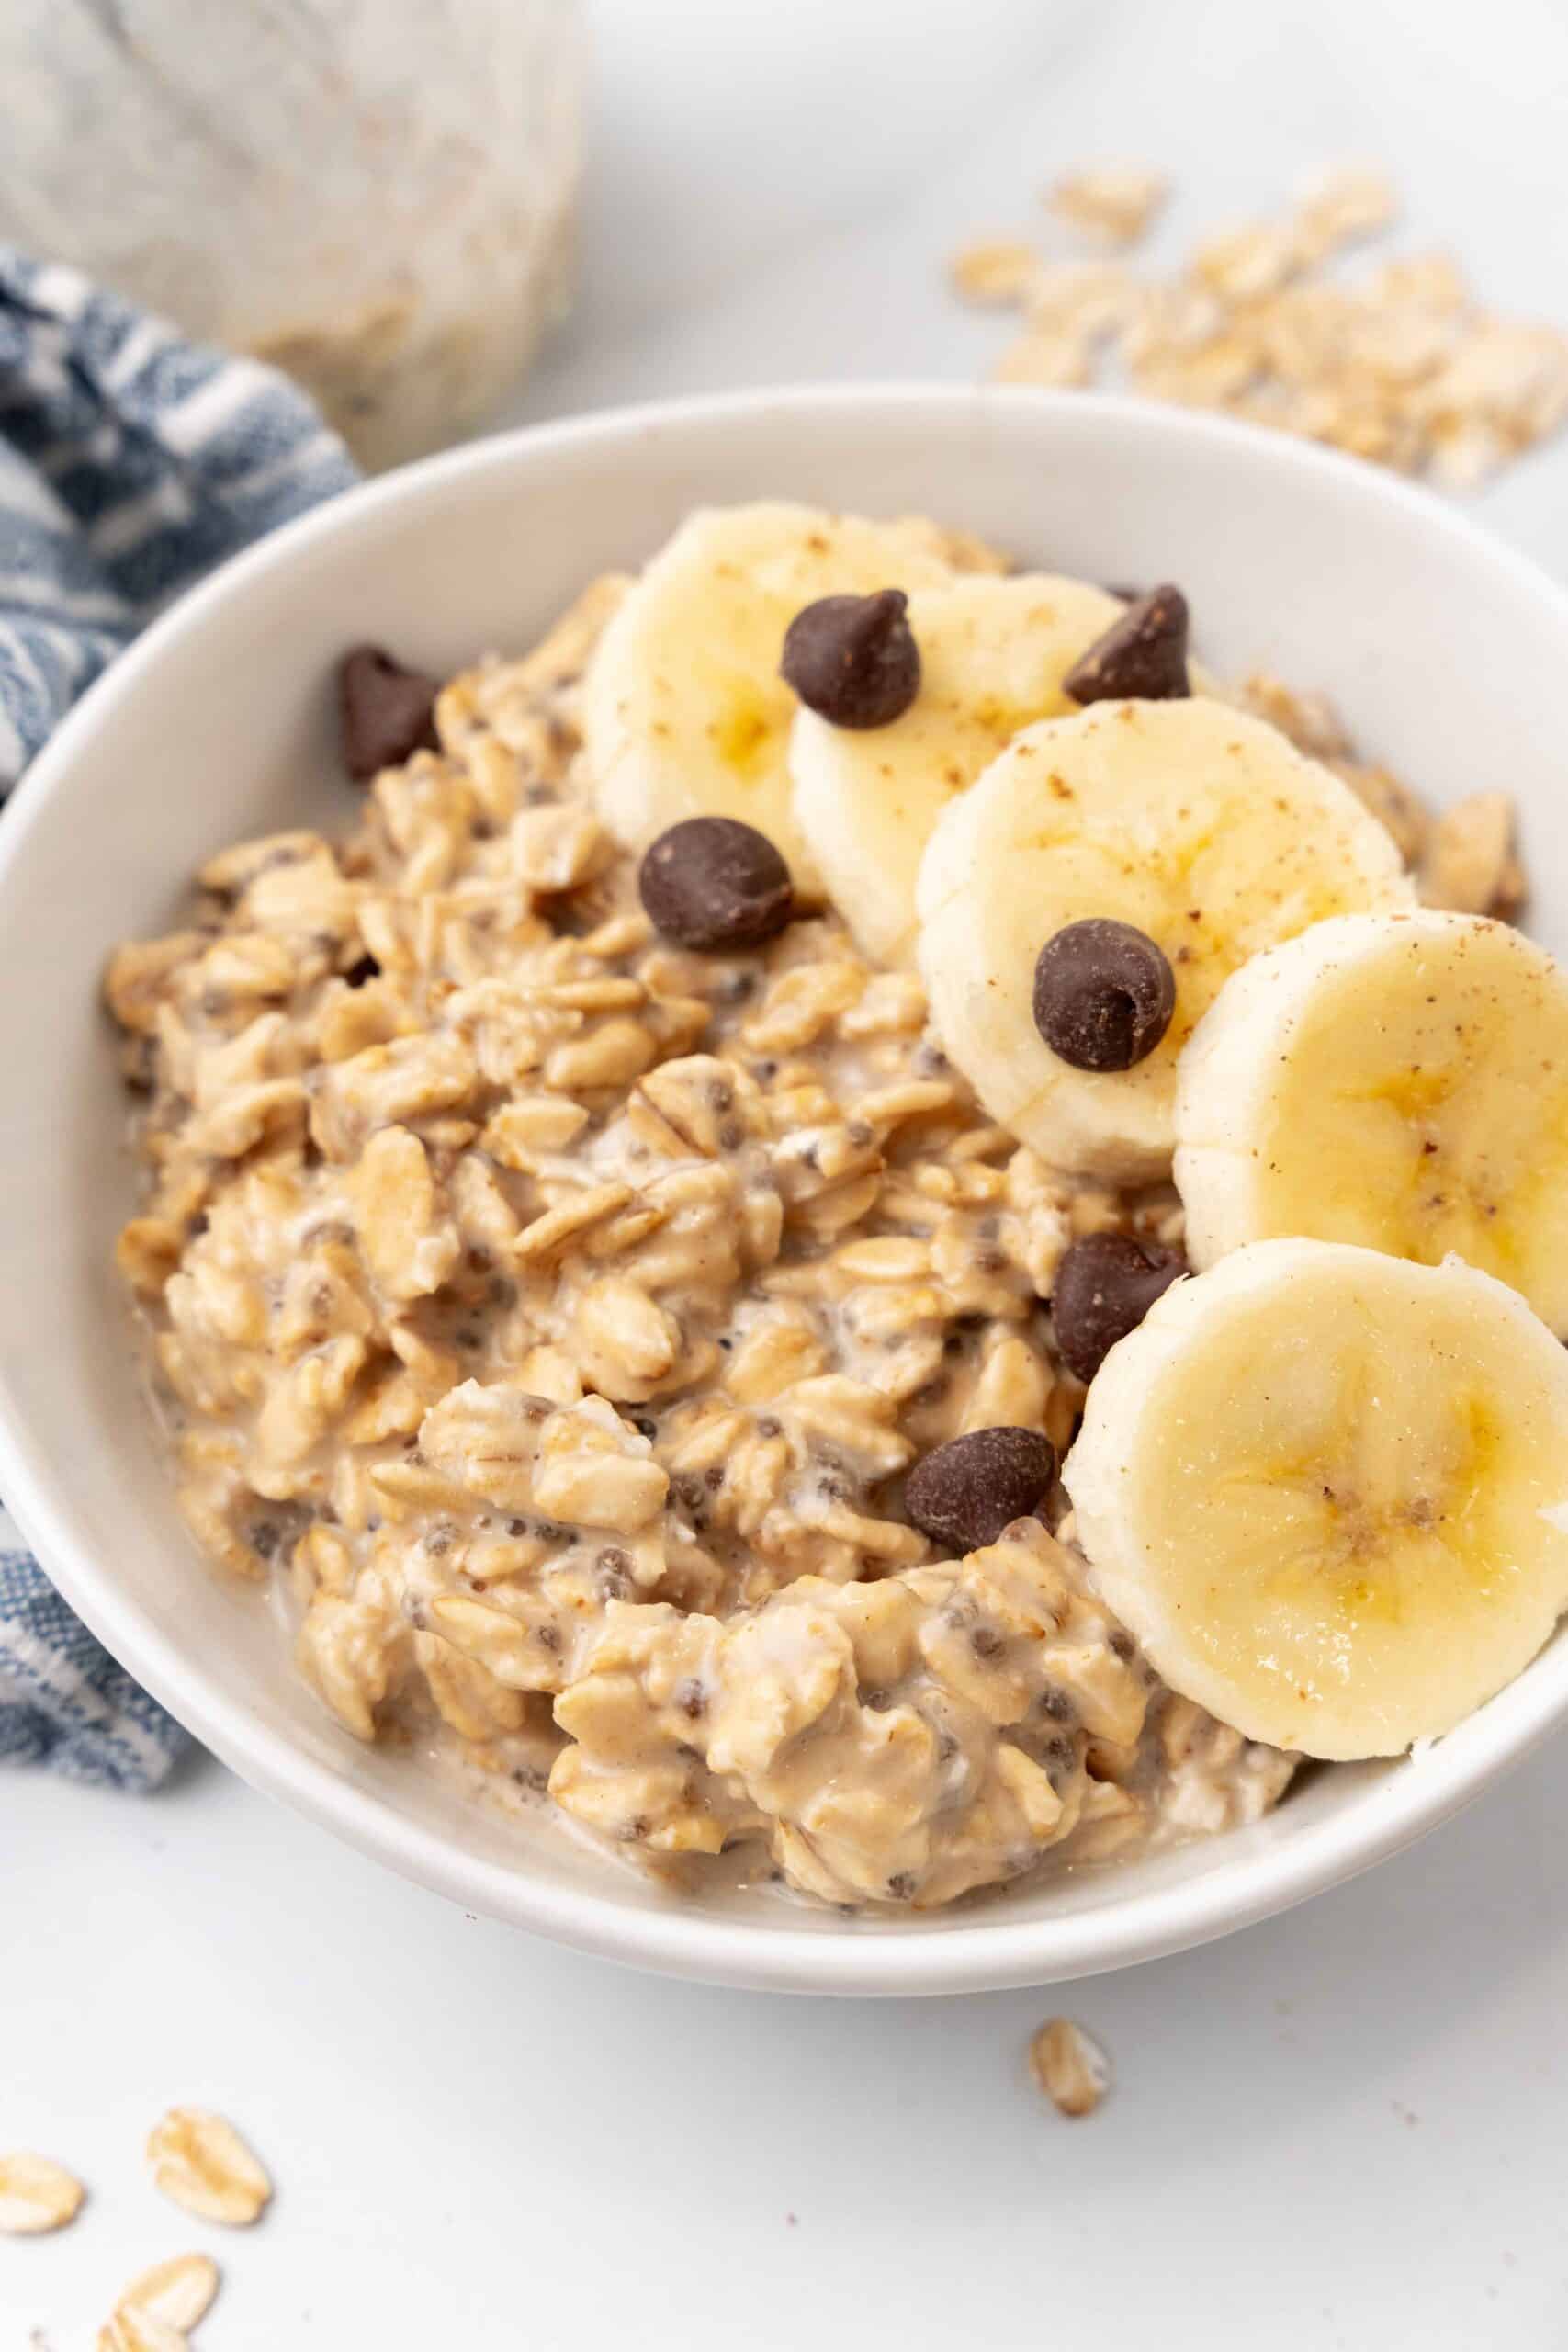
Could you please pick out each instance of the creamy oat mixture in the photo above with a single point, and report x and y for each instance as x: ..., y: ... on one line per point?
x: 558, y: 1312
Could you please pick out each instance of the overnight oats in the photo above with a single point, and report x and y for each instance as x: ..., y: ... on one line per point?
x: 861, y: 1224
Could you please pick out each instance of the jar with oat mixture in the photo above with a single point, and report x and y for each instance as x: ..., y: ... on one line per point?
x: 378, y: 199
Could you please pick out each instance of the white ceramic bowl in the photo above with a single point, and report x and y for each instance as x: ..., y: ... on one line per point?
x: 1446, y: 653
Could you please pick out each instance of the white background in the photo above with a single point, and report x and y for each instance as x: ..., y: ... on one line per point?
x: 1343, y: 2129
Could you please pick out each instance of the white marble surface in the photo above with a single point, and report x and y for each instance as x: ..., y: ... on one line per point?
x: 1343, y: 2129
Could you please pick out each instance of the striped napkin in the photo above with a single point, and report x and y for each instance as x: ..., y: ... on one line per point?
x: 130, y: 463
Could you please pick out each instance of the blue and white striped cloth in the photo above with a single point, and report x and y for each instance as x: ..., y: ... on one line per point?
x: 131, y: 462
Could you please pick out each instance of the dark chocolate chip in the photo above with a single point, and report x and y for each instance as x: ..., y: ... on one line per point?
x: 968, y: 1490
x: 1104, y: 993
x: 1105, y: 1285
x: 386, y: 713
x: 364, y: 969
x: 1141, y: 657
x: 713, y: 882
x: 853, y: 660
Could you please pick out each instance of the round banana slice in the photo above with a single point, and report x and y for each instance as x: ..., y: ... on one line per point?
x: 1396, y: 1080
x: 685, y: 713
x: 1328, y: 1490
x: 1198, y: 825
x: 993, y: 655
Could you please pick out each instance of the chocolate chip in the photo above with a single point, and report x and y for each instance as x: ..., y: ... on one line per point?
x: 713, y: 882
x: 385, y: 712
x: 968, y: 1490
x: 364, y: 969
x: 1143, y: 656
x: 1104, y: 993
x: 1105, y: 1285
x: 853, y: 660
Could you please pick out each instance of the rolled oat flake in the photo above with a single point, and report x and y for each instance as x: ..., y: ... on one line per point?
x: 1069, y: 2066
x: 1141, y: 658
x: 712, y: 882
x: 1104, y: 992
x: 853, y: 660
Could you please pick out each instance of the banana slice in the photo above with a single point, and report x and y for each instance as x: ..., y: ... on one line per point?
x: 993, y: 655
x: 1396, y: 1080
x: 1328, y: 1489
x: 1199, y: 826
x: 684, y: 712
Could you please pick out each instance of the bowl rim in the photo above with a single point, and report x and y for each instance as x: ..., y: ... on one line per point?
x: 986, y: 1949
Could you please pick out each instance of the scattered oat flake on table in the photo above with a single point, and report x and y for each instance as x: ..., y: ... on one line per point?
x: 200, y: 2162
x: 1402, y: 365
x: 1064, y: 360
x: 177, y: 2292
x: 1070, y: 2066
x: 996, y: 270
x: 1113, y: 202
x: 36, y: 2195
x: 1089, y: 297
x: 1239, y: 265
x: 1341, y: 203
x: 130, y: 2330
